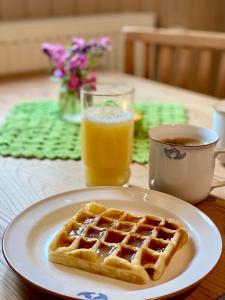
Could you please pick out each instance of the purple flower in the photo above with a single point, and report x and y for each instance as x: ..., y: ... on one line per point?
x: 75, y: 64
x: 78, y: 44
x: 59, y: 73
x: 78, y: 61
x: 91, y: 45
x: 104, y: 42
x: 57, y: 53
x: 74, y: 83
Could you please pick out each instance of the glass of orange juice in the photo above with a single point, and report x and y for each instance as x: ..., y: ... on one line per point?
x: 107, y: 133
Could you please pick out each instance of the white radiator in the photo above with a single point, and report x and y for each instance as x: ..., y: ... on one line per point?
x: 20, y: 42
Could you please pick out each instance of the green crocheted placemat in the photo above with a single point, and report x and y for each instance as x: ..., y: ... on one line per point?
x: 34, y: 130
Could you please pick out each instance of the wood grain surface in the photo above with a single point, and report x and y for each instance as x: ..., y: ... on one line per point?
x: 23, y: 181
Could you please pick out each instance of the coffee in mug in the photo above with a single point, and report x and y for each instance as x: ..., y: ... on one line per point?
x: 185, y: 141
x: 182, y: 159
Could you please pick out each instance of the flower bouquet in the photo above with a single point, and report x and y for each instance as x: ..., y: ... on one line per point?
x: 74, y: 66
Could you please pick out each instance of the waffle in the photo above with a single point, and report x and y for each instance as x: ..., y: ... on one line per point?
x: 117, y: 244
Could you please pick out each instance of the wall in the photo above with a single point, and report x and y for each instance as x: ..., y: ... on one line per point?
x: 194, y: 14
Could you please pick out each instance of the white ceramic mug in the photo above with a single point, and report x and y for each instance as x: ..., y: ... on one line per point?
x: 183, y: 171
x: 219, y: 125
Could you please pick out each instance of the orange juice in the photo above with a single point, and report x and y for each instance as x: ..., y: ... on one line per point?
x: 107, y: 135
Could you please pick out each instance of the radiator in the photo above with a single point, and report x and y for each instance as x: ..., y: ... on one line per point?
x: 20, y: 42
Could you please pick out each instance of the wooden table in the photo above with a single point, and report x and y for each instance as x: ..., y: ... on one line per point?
x: 22, y: 181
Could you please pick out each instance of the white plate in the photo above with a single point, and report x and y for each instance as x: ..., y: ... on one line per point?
x: 26, y: 241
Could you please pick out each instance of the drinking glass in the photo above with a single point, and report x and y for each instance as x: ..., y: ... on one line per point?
x: 107, y: 133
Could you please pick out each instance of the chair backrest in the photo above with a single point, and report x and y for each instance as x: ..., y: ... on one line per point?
x: 189, y: 59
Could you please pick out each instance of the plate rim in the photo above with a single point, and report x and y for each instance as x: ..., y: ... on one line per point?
x: 135, y: 188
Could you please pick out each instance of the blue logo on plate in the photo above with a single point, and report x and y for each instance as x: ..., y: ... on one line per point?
x: 93, y: 296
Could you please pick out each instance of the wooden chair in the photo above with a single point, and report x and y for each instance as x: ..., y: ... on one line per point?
x: 189, y: 59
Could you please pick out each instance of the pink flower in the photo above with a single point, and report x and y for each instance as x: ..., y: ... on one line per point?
x: 91, y: 78
x: 74, y: 83
x: 78, y: 61
x: 78, y: 44
x: 57, y: 53
x: 75, y: 64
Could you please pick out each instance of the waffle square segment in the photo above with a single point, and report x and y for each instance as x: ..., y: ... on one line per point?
x: 117, y: 243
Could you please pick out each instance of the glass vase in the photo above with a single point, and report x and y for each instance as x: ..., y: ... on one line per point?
x: 69, y: 106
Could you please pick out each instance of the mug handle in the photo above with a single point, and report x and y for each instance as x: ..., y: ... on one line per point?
x: 218, y: 183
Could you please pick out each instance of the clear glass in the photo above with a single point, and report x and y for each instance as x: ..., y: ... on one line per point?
x: 69, y: 105
x: 107, y: 133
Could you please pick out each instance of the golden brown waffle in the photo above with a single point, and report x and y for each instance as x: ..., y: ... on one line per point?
x: 117, y: 244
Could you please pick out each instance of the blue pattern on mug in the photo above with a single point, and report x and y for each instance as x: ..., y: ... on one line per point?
x: 174, y: 153
x: 93, y: 296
